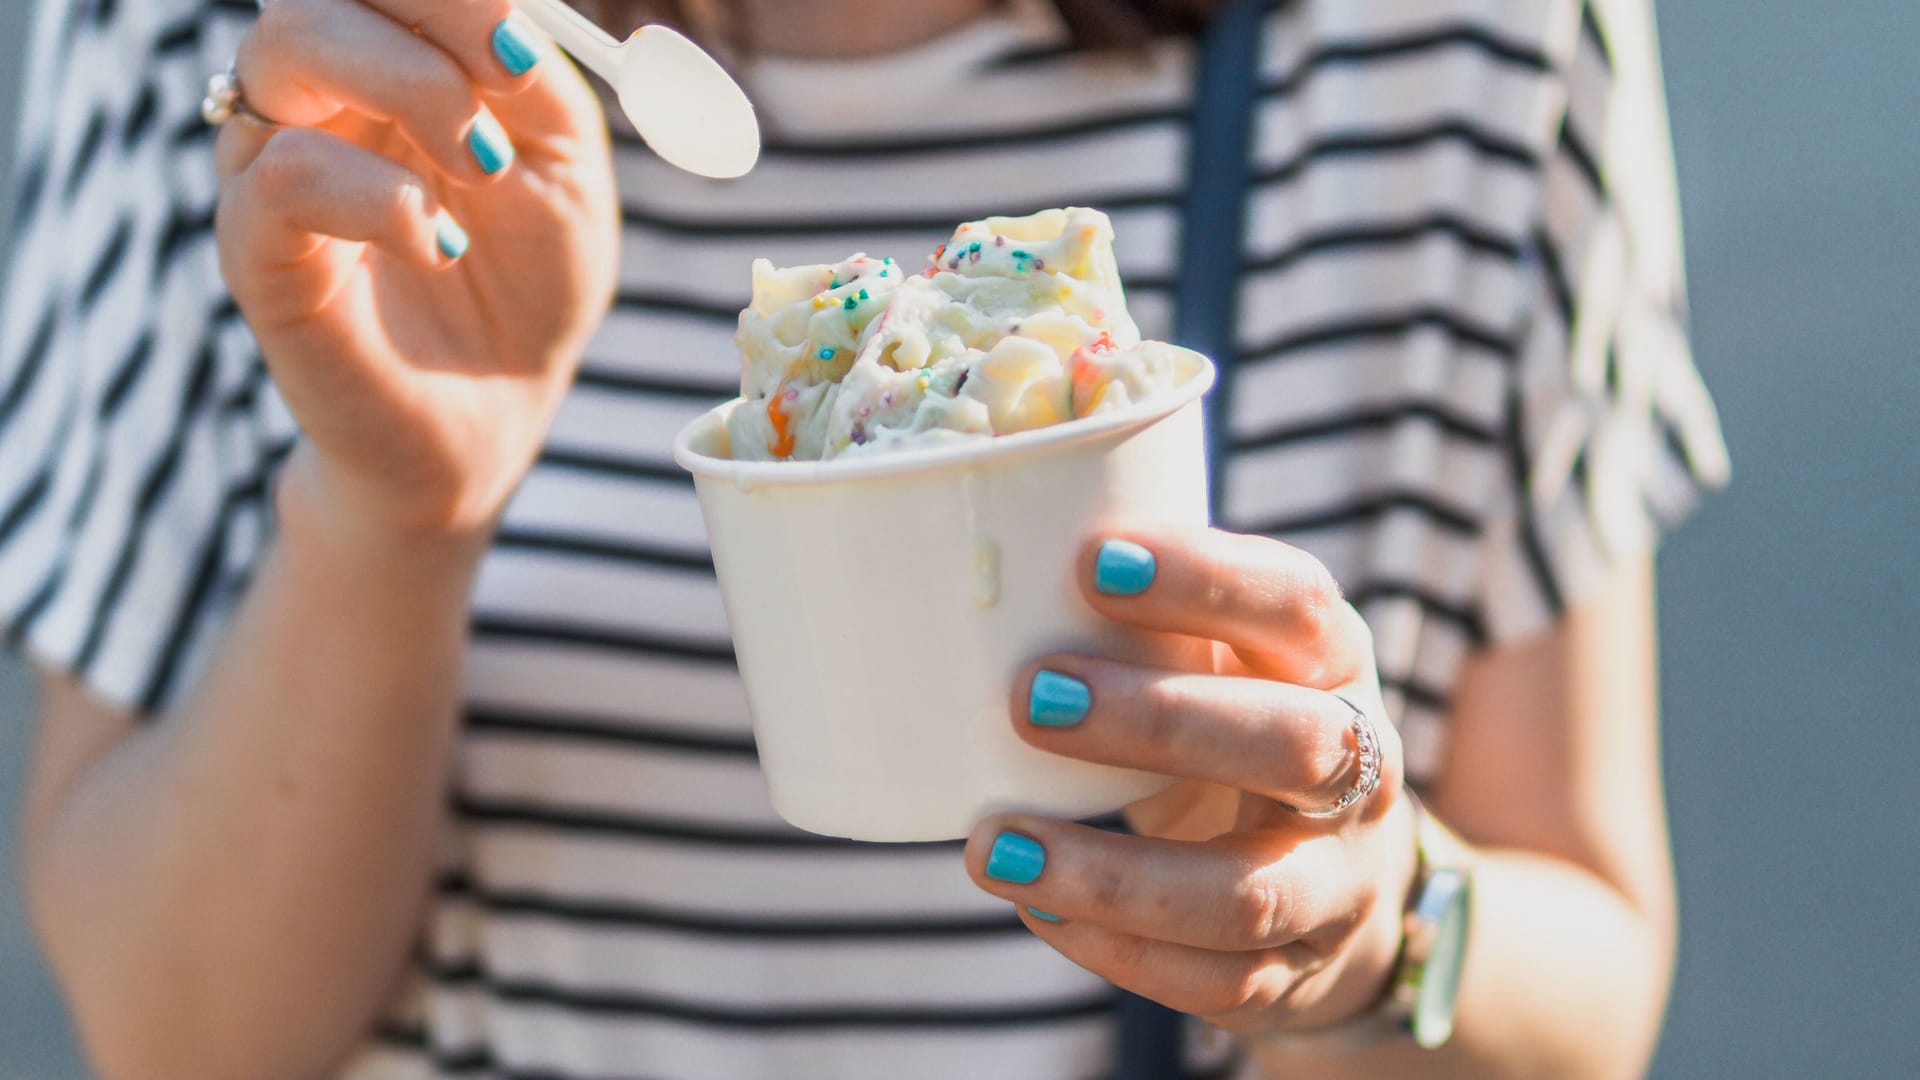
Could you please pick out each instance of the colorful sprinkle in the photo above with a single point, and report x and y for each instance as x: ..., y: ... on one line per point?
x: 827, y: 352
x: 851, y: 302
x: 783, y: 436
x: 820, y: 302
x: 864, y: 296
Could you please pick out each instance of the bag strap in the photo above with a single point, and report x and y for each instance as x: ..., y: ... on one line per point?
x: 1206, y: 314
x: 1219, y: 172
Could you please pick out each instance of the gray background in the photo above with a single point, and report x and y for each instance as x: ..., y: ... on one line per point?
x: 1792, y: 687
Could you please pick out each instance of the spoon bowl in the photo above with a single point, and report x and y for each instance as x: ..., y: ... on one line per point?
x: 683, y: 103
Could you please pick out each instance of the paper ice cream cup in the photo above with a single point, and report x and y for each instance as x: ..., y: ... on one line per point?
x: 881, y: 608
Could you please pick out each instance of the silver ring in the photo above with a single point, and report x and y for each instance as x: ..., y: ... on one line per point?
x: 1366, y: 744
x: 224, y: 100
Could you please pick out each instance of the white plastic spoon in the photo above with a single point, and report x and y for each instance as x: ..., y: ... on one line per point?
x: 685, y: 105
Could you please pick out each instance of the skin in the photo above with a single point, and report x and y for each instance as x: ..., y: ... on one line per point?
x: 229, y: 892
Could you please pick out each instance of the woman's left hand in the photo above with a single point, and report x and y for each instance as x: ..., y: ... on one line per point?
x: 1228, y: 904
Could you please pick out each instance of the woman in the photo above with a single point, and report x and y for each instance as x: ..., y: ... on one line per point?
x: 1460, y: 392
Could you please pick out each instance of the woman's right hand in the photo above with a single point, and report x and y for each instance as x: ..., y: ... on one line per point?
x: 421, y: 287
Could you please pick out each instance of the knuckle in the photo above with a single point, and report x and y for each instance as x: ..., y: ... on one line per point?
x: 1130, y: 953
x: 1262, y: 909
x: 1159, y: 708
x: 286, y: 163
x: 1221, y: 582
x: 402, y: 204
x: 1106, y: 887
x: 1241, y: 994
x: 1313, y: 602
x: 437, y: 86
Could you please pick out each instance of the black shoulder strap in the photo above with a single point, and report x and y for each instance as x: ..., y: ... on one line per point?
x: 1219, y: 168
x: 1206, y: 299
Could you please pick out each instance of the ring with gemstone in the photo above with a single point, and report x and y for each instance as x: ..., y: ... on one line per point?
x: 1366, y: 743
x: 224, y: 101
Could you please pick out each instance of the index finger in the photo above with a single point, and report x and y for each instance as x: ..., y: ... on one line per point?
x: 1276, y: 606
x: 497, y: 48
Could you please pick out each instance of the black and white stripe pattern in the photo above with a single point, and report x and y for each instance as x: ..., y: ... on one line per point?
x: 1461, y: 381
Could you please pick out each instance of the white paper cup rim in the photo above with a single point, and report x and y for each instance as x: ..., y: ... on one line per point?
x: 972, y: 452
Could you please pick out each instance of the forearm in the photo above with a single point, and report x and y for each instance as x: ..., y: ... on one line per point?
x: 1564, y: 978
x: 229, y: 891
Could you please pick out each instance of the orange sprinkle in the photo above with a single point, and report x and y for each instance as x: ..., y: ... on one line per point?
x: 1088, y: 384
x: 782, y: 446
x: 1085, y: 370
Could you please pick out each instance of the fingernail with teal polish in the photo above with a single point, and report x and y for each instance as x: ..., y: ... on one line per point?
x: 451, y: 238
x: 1123, y: 568
x: 1016, y: 859
x: 1043, y: 916
x: 514, y: 46
x: 492, y: 150
x: 1057, y: 700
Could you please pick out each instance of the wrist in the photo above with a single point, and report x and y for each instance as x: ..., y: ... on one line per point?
x: 324, y: 523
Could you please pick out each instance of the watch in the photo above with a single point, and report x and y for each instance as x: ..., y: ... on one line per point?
x: 1433, y: 944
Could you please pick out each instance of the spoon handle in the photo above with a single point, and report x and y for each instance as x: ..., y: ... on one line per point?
x: 577, y: 34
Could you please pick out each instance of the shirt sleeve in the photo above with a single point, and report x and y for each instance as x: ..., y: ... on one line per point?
x: 137, y: 428
x: 1609, y: 435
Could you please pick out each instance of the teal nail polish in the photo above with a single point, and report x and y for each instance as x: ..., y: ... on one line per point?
x: 492, y: 150
x: 513, y: 46
x: 1123, y: 568
x: 1057, y: 700
x: 451, y: 238
x: 1016, y: 859
x: 1043, y: 916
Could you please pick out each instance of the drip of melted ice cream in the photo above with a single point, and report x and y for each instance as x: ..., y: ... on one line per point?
x: 1016, y: 324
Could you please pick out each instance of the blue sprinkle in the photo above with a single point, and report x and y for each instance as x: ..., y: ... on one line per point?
x: 827, y: 353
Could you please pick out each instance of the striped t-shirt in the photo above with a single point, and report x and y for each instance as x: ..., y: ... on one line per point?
x: 1461, y: 379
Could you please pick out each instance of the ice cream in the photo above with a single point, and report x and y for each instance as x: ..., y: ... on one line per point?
x: 1016, y: 324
